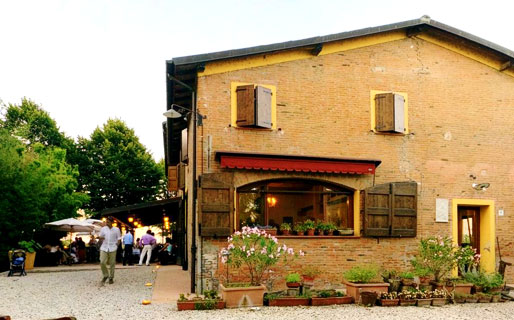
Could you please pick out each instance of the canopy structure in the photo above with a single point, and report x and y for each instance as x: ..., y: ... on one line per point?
x: 70, y: 225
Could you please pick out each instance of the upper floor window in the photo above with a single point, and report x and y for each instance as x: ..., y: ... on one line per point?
x: 294, y: 200
x: 389, y: 112
x: 253, y: 105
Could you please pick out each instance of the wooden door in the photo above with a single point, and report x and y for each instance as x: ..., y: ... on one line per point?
x: 469, y: 227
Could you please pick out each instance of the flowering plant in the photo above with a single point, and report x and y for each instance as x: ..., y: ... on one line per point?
x: 466, y: 258
x: 436, y: 255
x: 388, y: 295
x: 256, y: 252
x: 407, y: 295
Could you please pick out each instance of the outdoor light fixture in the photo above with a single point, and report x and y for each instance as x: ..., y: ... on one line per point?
x: 174, y: 114
x: 272, y: 201
x: 480, y: 186
x: 166, y: 219
x: 130, y: 219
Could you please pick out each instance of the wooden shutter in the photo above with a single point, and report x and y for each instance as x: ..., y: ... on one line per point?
x: 390, y: 210
x: 183, y: 146
x: 399, y: 113
x: 377, y: 211
x: 216, y: 199
x: 245, y: 105
x: 172, y: 178
x: 404, y: 209
x: 263, y: 106
x: 181, y: 176
x: 384, y: 112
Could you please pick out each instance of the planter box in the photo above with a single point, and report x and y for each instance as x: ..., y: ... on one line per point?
x: 484, y: 299
x: 440, y: 301
x: 331, y: 300
x: 389, y: 302
x: 496, y: 298
x: 243, y: 296
x: 459, y: 300
x: 406, y: 303
x: 271, y: 232
x: 407, y: 282
x: 471, y: 300
x: 354, y: 289
x: 423, y: 302
x: 190, y: 305
x: 293, y: 284
x: 289, y: 302
x: 30, y: 257
x: 464, y: 288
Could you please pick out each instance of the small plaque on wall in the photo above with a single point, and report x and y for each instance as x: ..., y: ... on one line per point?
x: 441, y: 210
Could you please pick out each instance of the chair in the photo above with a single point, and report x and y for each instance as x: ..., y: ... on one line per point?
x: 17, y: 263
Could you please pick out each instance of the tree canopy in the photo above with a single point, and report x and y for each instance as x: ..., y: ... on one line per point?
x: 116, y: 168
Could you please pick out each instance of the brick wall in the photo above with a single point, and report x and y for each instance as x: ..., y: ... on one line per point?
x: 460, y: 118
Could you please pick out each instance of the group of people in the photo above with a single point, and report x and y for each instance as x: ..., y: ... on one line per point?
x: 111, y: 240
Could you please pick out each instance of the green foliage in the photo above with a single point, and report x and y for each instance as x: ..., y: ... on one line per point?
x: 116, y: 169
x: 407, y: 275
x: 325, y: 226
x: 309, y: 224
x: 182, y: 297
x: 361, y: 274
x: 285, y: 226
x: 37, y: 186
x: 436, y: 255
x: 211, y: 294
x: 310, y: 271
x: 325, y: 294
x: 205, y: 305
x: 299, y: 228
x: 293, y: 277
x: 484, y: 280
x: 29, y: 246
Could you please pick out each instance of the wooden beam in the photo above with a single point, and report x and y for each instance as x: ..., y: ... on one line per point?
x: 504, y: 66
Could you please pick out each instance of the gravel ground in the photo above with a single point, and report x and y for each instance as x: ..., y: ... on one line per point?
x: 79, y: 294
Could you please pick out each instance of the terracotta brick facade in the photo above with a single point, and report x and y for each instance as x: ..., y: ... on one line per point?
x: 460, y: 114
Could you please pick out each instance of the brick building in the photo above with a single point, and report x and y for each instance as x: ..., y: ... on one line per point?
x: 391, y: 133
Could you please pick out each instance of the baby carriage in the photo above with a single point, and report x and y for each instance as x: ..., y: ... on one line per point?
x: 17, y: 263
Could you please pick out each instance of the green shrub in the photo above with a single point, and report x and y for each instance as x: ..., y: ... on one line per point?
x: 361, y: 274
x: 407, y: 275
x: 293, y: 277
x: 324, y: 294
x: 309, y: 224
x: 285, y: 226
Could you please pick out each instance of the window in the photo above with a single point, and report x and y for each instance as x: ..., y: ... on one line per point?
x: 389, y: 112
x: 294, y: 200
x: 253, y: 106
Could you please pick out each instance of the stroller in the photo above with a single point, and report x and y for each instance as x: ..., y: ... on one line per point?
x: 17, y: 263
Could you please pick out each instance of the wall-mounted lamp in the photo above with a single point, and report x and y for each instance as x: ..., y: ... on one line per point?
x: 130, y: 219
x: 480, y: 186
x: 272, y: 201
x: 174, y: 114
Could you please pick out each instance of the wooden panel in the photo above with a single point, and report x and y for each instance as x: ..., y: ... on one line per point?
x: 384, y: 112
x: 172, y: 178
x: 377, y: 211
x: 263, y: 106
x: 181, y: 176
x: 245, y: 106
x: 399, y: 113
x: 404, y: 209
x: 216, y: 206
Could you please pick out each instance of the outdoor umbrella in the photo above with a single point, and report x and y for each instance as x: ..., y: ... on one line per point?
x: 70, y: 225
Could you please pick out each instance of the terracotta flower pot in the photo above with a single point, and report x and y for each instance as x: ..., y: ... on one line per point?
x: 439, y: 301
x: 285, y: 232
x: 331, y: 300
x: 423, y: 302
x: 389, y: 302
x: 193, y: 305
x: 407, y: 302
x: 368, y: 298
x: 289, y: 302
x: 243, y: 296
x: 310, y: 232
x: 293, y: 284
x: 355, y: 289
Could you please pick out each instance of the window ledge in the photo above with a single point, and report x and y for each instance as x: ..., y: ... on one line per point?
x: 316, y: 237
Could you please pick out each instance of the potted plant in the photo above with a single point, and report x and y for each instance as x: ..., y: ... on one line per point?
x: 407, y: 278
x: 459, y: 297
x: 209, y: 301
x: 253, y: 252
x: 280, y: 300
x: 423, y: 275
x: 436, y: 254
x: 285, y: 228
x: 496, y: 296
x: 309, y: 273
x: 271, y: 230
x: 423, y: 298
x: 293, y: 280
x: 299, y: 229
x: 391, y: 276
x: 30, y: 248
x: 329, y: 229
x: 439, y: 297
x: 483, y: 297
x: 471, y: 298
x: 388, y: 299
x: 309, y: 226
x: 494, y: 282
x: 407, y: 298
x: 330, y: 297
x: 361, y: 279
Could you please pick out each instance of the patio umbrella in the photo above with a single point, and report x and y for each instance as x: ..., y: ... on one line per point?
x: 70, y: 225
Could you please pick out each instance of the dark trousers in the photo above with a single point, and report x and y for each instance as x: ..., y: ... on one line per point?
x: 127, y: 255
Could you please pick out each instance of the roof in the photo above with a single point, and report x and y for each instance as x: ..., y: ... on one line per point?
x: 423, y: 21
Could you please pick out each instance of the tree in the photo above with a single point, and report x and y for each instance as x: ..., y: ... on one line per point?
x: 116, y: 169
x: 37, y: 186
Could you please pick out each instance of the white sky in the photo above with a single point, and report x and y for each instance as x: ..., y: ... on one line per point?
x: 88, y: 61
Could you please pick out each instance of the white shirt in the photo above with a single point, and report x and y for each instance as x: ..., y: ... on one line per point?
x: 111, y: 237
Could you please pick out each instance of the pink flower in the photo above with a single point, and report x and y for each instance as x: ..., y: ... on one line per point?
x: 301, y: 253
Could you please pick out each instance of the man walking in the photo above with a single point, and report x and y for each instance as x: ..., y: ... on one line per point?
x: 128, y: 241
x: 148, y: 241
x: 110, y: 237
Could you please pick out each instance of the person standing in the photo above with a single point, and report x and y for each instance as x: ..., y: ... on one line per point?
x: 128, y: 241
x: 147, y: 241
x: 110, y: 237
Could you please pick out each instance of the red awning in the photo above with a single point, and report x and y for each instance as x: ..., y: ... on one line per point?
x: 275, y: 162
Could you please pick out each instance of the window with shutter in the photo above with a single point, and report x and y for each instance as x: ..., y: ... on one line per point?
x: 216, y: 199
x: 390, y: 210
x: 253, y: 105
x: 389, y: 112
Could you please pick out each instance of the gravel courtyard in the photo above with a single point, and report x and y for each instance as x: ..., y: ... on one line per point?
x: 79, y: 294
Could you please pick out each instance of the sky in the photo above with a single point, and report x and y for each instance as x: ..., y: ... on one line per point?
x: 87, y: 61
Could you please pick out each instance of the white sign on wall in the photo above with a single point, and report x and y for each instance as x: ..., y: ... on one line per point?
x: 441, y: 210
